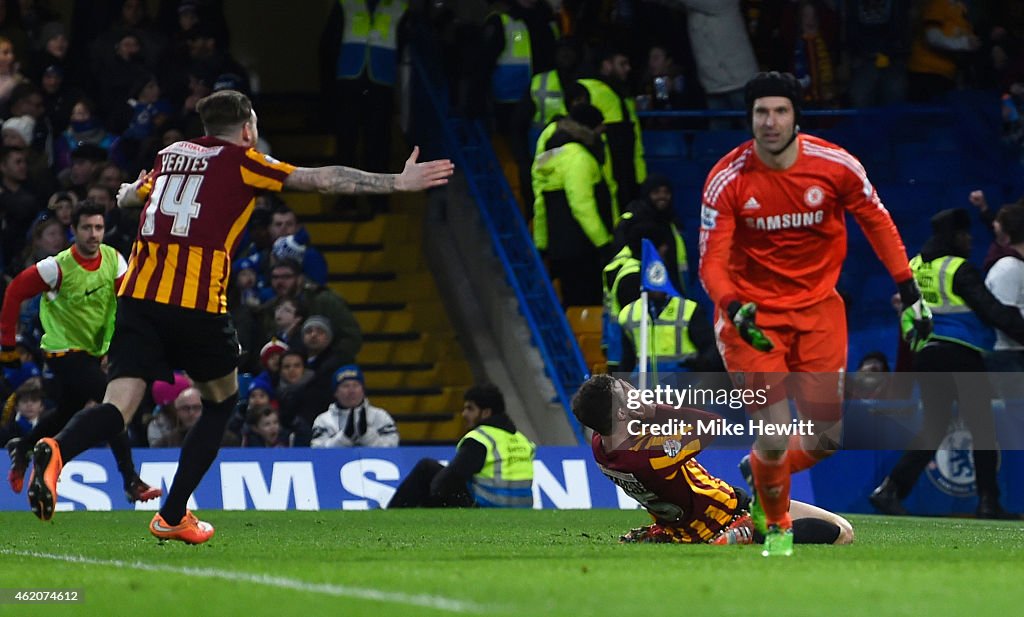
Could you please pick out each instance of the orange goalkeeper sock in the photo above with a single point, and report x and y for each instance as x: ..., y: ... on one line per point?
x: 798, y: 458
x: 772, y: 481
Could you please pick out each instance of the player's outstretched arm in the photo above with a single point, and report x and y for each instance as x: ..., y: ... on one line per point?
x: 128, y: 195
x: 337, y: 179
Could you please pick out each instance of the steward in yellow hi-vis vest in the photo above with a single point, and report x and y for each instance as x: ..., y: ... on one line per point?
x: 560, y: 122
x: 679, y: 335
x: 608, y: 92
x: 573, y: 217
x: 547, y: 97
x: 492, y: 468
x: 950, y: 364
x: 370, y: 40
x: 517, y: 41
x: 611, y: 335
x: 671, y: 348
x: 359, y: 52
x: 511, y: 76
x: 622, y: 279
x: 549, y: 90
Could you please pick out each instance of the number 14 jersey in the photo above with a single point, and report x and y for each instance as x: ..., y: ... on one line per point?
x: 198, y: 200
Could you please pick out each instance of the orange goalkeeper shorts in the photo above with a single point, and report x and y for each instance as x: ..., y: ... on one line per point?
x: 810, y: 341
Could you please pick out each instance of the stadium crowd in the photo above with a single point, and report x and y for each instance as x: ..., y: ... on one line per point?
x: 87, y: 109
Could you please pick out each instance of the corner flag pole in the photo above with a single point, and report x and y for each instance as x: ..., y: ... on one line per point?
x: 644, y: 342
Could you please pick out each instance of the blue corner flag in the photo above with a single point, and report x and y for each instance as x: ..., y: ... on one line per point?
x: 654, y: 276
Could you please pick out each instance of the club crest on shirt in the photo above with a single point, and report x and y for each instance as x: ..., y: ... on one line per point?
x: 672, y: 447
x: 814, y: 196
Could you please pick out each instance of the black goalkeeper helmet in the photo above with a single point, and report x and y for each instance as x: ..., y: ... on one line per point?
x: 772, y: 83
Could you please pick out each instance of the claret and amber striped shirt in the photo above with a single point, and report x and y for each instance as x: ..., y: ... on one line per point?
x: 198, y: 200
x: 663, y: 475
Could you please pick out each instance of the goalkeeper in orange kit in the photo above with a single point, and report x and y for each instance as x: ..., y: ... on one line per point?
x: 772, y: 242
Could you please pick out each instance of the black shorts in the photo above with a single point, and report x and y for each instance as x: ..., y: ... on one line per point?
x: 151, y: 340
x: 74, y: 379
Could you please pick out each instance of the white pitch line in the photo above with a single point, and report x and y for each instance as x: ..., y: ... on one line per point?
x: 344, y: 591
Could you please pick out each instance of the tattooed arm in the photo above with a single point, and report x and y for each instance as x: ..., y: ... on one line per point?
x: 347, y: 180
x: 337, y: 179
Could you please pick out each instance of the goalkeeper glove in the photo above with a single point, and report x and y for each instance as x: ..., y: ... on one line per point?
x: 916, y: 317
x: 9, y: 357
x: 742, y: 316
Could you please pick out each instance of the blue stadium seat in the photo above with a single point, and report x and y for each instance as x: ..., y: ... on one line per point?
x: 680, y: 173
x: 913, y: 201
x: 692, y: 173
x: 880, y: 337
x: 664, y: 144
x: 919, y: 163
x: 995, y: 194
x: 909, y: 132
x: 871, y: 147
x: 827, y: 134
x: 942, y: 139
x: 880, y: 171
x: 686, y: 200
x: 668, y: 167
x: 709, y: 146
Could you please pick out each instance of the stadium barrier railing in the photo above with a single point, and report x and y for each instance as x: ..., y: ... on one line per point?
x: 439, y: 129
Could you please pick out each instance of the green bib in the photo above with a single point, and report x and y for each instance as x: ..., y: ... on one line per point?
x: 80, y: 314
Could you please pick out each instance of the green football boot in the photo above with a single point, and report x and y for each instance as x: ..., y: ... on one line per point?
x: 778, y: 542
x: 756, y: 511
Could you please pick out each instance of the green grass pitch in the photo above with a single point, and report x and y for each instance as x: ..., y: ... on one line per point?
x: 482, y: 562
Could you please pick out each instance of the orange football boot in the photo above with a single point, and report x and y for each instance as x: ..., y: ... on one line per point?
x: 190, y: 530
x: 42, y: 486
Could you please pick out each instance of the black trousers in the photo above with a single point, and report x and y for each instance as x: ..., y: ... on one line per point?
x: 422, y: 488
x: 970, y: 388
x: 580, y: 278
x: 77, y: 379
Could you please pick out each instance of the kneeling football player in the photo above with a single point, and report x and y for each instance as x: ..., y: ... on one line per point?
x: 689, y: 505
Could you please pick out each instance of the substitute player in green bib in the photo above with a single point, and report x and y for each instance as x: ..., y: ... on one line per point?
x: 77, y: 312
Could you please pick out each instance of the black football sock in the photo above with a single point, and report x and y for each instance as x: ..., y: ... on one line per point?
x: 809, y: 531
x: 814, y: 531
x: 48, y: 426
x: 198, y: 452
x: 88, y: 428
x: 121, y: 447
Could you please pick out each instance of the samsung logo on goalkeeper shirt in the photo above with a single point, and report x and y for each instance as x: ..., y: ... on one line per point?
x: 792, y: 220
